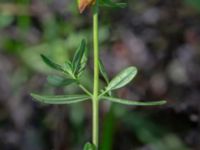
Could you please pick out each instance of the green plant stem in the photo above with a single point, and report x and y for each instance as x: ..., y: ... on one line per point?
x: 95, y: 101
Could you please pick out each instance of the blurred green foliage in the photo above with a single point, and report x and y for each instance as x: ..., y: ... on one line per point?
x: 5, y: 20
x: 193, y: 3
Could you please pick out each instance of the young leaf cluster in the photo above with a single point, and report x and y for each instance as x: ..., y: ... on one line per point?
x: 72, y: 70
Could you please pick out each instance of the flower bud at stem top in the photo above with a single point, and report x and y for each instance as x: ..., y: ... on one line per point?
x: 83, y: 4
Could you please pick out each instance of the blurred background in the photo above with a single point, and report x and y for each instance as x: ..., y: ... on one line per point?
x: 160, y: 37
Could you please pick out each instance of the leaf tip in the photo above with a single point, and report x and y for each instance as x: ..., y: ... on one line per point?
x: 34, y: 96
x: 44, y: 58
x: 162, y: 102
x: 84, y: 41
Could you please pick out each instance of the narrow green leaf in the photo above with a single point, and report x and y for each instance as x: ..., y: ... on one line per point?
x: 103, y: 71
x: 130, y: 102
x: 51, y: 64
x: 104, y: 74
x: 60, y: 99
x: 83, y: 63
x: 59, y: 81
x: 68, y: 67
x: 76, y: 62
x: 89, y: 146
x: 123, y: 78
x: 109, y: 3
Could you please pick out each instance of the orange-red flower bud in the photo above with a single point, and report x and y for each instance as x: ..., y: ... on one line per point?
x: 83, y: 4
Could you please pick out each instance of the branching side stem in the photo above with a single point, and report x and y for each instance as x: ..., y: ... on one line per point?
x: 85, y: 90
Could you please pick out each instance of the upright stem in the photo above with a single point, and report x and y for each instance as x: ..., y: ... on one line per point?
x: 95, y: 101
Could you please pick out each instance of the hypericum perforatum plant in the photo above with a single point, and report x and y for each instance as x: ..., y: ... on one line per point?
x: 73, y: 71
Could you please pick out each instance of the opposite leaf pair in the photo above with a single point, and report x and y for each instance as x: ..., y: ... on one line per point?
x: 73, y: 70
x: 70, y: 99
